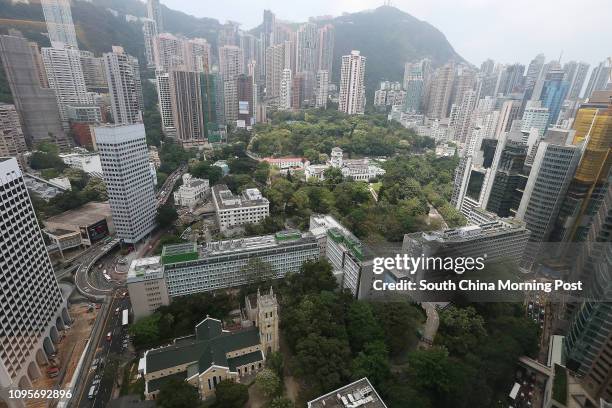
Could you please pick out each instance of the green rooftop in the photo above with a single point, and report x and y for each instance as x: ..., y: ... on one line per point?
x: 177, y: 253
x: 287, y: 235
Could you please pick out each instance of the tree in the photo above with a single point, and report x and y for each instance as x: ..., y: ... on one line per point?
x: 399, y: 322
x: 262, y: 172
x: 362, y: 326
x: 333, y: 176
x: 461, y: 329
x: 373, y: 363
x: 145, y: 331
x: 268, y: 382
x: 280, y: 402
x: 166, y: 215
x: 275, y: 362
x: 231, y: 394
x: 206, y: 170
x: 177, y: 393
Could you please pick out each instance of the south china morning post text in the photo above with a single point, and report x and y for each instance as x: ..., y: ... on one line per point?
x: 466, y: 274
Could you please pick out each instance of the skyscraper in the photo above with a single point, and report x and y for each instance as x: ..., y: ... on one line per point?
x: 154, y: 12
x: 589, y: 338
x: 533, y: 73
x: 197, y: 55
x: 125, y: 165
x: 593, y: 125
x: 306, y: 48
x: 37, y: 107
x: 123, y: 77
x: 169, y: 51
x: 554, y: 91
x: 149, y: 31
x: 554, y: 164
x: 575, y: 75
x: 440, y: 93
x: 599, y: 78
x: 415, y: 75
x: 230, y: 62
x: 286, y: 87
x: 326, y: 48
x: 186, y: 105
x: 244, y: 92
x: 165, y: 103
x: 275, y: 64
x: 212, y: 105
x: 322, y: 89
x: 511, y: 79
x: 33, y: 308
x: 65, y: 74
x: 352, y: 84
x: 12, y: 142
x: 93, y: 72
x: 534, y: 116
x: 59, y: 22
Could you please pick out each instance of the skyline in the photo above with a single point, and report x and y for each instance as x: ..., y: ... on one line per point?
x: 554, y: 38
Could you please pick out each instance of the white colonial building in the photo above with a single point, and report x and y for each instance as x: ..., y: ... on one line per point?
x: 356, y: 169
x: 192, y: 192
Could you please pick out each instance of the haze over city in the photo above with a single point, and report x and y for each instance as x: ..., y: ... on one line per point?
x: 507, y: 31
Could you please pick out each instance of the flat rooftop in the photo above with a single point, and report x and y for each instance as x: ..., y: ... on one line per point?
x: 225, y: 199
x: 86, y: 214
x: 145, y: 268
x: 360, y: 394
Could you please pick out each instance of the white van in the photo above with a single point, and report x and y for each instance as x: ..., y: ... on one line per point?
x: 92, y: 392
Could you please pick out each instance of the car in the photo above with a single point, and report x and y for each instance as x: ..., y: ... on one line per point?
x: 96, y: 381
x: 109, y: 336
x: 98, y: 305
x: 53, y: 372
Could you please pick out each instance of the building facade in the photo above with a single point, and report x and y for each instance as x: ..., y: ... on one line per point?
x: 234, y: 211
x: 125, y: 164
x: 123, y: 76
x: 34, y: 310
x: 352, y: 84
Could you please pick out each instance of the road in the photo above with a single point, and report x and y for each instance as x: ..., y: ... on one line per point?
x: 166, y: 189
x: 92, y: 285
x: 106, y: 351
x: 431, y: 325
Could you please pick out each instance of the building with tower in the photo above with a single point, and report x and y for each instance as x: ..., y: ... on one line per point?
x: 214, y: 353
x: 34, y: 310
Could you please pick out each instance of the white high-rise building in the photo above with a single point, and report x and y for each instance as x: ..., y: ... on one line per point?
x: 352, y: 84
x: 275, y: 63
x: 33, y: 308
x: 125, y: 165
x: 165, y: 103
x: 534, y: 116
x: 124, y: 87
x: 285, y: 90
x: 65, y: 75
x: 322, y: 89
x: 149, y: 31
x: 306, y: 48
x: 230, y: 62
x: 154, y: 12
x: 59, y: 22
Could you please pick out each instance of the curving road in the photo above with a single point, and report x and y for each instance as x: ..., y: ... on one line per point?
x: 88, y: 285
x: 166, y: 189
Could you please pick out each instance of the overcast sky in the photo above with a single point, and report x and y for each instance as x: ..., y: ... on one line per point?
x: 505, y: 30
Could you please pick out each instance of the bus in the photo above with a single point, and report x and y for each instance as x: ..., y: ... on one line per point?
x: 125, y: 318
x: 106, y: 276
